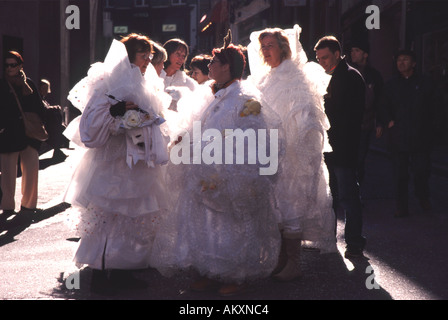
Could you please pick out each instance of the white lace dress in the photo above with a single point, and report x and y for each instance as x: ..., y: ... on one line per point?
x: 295, y: 91
x: 223, y: 225
x: 118, y: 191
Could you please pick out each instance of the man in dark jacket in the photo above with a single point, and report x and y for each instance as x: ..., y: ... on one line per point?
x: 344, y: 106
x: 374, y: 83
x: 406, y: 110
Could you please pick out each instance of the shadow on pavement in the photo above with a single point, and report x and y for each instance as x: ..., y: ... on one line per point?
x: 325, y: 277
x: 20, y: 221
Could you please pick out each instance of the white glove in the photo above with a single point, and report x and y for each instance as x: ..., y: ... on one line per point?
x: 174, y: 92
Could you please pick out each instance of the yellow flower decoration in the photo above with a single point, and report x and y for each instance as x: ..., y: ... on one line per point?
x: 209, y: 185
x: 251, y: 106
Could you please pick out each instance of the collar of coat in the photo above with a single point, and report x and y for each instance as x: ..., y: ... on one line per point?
x: 216, y: 88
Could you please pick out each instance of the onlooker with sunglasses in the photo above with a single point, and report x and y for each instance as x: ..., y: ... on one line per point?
x: 16, y: 88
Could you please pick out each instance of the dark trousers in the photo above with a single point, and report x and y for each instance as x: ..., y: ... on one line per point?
x: 419, y: 164
x: 345, y: 189
x: 364, y: 146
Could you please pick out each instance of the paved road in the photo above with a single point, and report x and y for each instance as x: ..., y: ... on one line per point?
x: 408, y: 256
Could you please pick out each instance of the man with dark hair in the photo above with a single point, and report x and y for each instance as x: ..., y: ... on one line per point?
x: 344, y: 106
x: 406, y: 109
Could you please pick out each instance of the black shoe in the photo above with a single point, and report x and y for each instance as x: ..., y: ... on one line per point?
x: 31, y: 214
x: 124, y: 279
x: 35, y: 210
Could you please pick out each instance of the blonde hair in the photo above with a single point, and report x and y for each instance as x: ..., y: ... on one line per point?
x: 282, y: 40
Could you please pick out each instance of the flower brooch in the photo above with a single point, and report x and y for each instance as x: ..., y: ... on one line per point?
x: 251, y: 106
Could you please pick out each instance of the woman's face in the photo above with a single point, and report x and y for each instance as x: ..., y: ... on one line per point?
x: 198, y: 75
x: 271, y: 51
x: 177, y: 58
x: 12, y: 67
x: 142, y: 59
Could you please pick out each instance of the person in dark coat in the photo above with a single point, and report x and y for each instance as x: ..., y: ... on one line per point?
x: 406, y: 110
x: 359, y: 53
x: 344, y: 106
x: 53, y: 124
x: 13, y: 141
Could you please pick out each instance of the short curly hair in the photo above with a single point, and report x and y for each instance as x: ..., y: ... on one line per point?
x: 234, y: 56
x: 136, y: 43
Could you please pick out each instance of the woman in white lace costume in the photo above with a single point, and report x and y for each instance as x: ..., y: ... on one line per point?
x: 223, y: 226
x: 177, y: 82
x: 294, y: 88
x: 118, y: 189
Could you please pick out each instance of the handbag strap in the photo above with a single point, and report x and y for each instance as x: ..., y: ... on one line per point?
x: 17, y: 99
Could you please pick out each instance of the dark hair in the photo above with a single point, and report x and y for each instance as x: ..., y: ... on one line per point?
x: 406, y: 52
x: 172, y: 46
x: 136, y: 43
x: 329, y: 42
x: 14, y: 55
x: 201, y: 62
x: 361, y: 44
x: 235, y: 57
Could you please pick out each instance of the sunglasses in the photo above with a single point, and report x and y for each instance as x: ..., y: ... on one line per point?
x: 11, y: 65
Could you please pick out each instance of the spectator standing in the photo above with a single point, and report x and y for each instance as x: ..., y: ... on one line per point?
x: 344, y: 106
x: 406, y: 109
x: 374, y: 83
x: 53, y: 124
x: 16, y: 88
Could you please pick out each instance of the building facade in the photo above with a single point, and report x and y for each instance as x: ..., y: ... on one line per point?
x: 40, y: 30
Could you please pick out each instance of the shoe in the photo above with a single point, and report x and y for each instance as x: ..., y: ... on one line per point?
x: 204, y: 284
x: 292, y: 270
x: 229, y: 290
x: 35, y: 210
x: 30, y: 214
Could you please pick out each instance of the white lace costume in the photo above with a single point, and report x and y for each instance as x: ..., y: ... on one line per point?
x: 178, y: 79
x: 178, y: 85
x: 295, y: 91
x: 223, y: 225
x: 118, y: 189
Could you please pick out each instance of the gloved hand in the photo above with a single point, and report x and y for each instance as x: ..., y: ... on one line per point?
x: 118, y: 109
x: 174, y: 92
